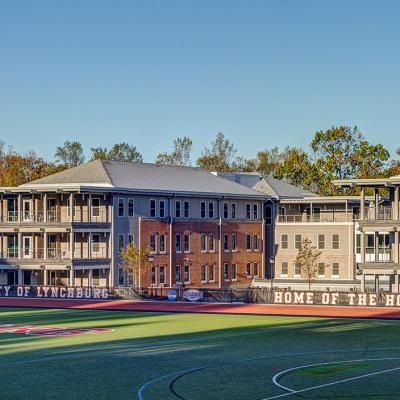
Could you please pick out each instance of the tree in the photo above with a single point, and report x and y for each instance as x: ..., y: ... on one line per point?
x: 220, y: 156
x: 344, y: 153
x: 297, y: 168
x: 180, y: 155
x: 307, y: 259
x: 70, y: 154
x: 266, y: 162
x: 119, y: 152
x: 135, y: 261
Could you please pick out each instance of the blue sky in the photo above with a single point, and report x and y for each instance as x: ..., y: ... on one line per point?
x: 265, y: 73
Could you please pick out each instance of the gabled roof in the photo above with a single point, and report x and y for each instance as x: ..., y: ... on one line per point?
x: 144, y: 177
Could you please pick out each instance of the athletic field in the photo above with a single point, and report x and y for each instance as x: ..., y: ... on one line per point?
x: 194, y: 356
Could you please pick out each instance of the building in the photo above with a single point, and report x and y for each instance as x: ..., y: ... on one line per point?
x: 293, y: 214
x: 68, y: 228
x: 377, y: 232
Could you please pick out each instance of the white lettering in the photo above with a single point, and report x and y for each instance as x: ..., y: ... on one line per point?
x: 362, y: 299
x: 309, y: 298
x: 372, y: 299
x: 351, y: 297
x: 278, y: 297
x: 334, y: 298
x: 325, y: 298
x: 20, y: 291
x: 288, y: 297
x: 389, y: 300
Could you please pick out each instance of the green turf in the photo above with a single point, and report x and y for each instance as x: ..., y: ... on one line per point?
x: 224, y: 356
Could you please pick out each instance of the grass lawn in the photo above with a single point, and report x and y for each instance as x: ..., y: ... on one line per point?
x: 198, y: 356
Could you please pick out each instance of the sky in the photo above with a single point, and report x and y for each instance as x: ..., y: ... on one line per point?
x: 265, y: 73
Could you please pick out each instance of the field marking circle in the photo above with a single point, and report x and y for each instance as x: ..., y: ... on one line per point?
x: 290, y: 392
x: 142, y: 388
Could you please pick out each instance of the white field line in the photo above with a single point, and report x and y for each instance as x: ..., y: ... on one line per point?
x: 291, y: 392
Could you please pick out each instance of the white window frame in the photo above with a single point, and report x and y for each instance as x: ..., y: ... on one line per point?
x: 155, y: 243
x: 188, y: 236
x: 213, y: 242
x: 285, y: 241
x: 211, y: 210
x: 184, y: 273
x: 248, y: 210
x: 161, y: 208
x: 205, y: 273
x: 180, y: 242
x: 226, y: 242
x: 226, y: 265
x: 301, y: 240
x: 165, y: 243
x: 323, y: 241
x: 178, y: 210
x: 131, y: 201
x: 186, y: 203
x: 211, y: 267
x: 121, y: 200
x: 203, y: 236
x: 324, y: 266
x: 155, y: 208
x: 233, y: 210
x: 203, y: 204
x: 255, y: 213
x: 226, y: 210
x: 284, y: 275
x: 234, y: 242
x: 336, y: 241
x: 336, y: 276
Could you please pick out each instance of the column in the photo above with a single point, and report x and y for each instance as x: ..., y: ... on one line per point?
x: 71, y: 207
x: 89, y: 205
x: 362, y: 283
x: 71, y: 277
x: 362, y: 205
x: 90, y: 278
x: 90, y: 245
x: 45, y: 245
x: 71, y: 244
x: 395, y: 288
x: 45, y: 280
x: 377, y: 283
x: 376, y: 245
x: 396, y: 247
x: 45, y: 207
x: 19, y: 207
x: 362, y: 243
x: 19, y: 245
x: 396, y: 215
x: 20, y: 281
x: 376, y: 200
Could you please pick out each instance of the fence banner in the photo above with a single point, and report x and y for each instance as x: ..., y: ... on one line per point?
x: 55, y: 292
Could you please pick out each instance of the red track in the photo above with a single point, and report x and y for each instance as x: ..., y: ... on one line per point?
x: 255, y: 309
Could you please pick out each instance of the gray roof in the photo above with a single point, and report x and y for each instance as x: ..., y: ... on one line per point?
x: 267, y: 184
x: 146, y: 177
x: 281, y: 189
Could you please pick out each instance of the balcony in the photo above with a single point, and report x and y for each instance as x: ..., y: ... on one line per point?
x: 34, y: 254
x: 382, y: 255
x: 382, y: 214
x: 328, y: 218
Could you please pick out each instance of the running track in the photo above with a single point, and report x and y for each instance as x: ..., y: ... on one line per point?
x: 213, y: 308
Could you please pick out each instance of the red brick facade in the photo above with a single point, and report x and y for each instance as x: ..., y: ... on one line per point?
x: 196, y: 256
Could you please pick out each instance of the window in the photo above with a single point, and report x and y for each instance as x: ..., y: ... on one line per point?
x: 95, y: 207
x: 248, y: 211
x: 153, y: 239
x: 211, y: 210
x: 130, y: 207
x: 268, y: 215
x: 285, y: 269
x: 297, y: 269
x: 178, y: 243
x: 121, y: 210
x: 321, y: 269
x: 162, y: 243
x: 335, y: 270
x: 226, y: 210
x: 234, y: 271
x: 211, y: 273
x: 285, y: 241
x: 202, y: 209
x: 177, y: 209
x: 248, y: 269
x: 248, y: 242
x: 121, y: 242
x: 226, y: 242
x: 131, y: 238
x: 211, y: 242
x: 152, y: 208
x: 203, y: 246
x: 95, y: 243
x: 121, y: 279
x: 186, y: 209
x: 226, y: 272
x: 234, y: 242
x: 358, y: 244
x: 162, y: 209
x: 162, y: 275
x: 321, y: 242
x: 255, y: 242
x: 178, y: 276
x: 186, y: 243
x: 153, y: 275
x: 186, y: 272
x: 255, y: 269
x: 297, y: 241
x: 203, y: 273
x: 255, y: 211
x: 335, y: 242
x: 233, y: 210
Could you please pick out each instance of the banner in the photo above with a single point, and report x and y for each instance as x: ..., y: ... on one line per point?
x: 55, y: 292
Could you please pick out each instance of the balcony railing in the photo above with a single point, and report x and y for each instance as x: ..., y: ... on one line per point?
x: 55, y: 254
x: 383, y: 213
x: 311, y: 219
x: 53, y: 216
x: 382, y: 255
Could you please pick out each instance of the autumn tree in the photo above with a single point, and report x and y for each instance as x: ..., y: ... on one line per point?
x: 119, y: 152
x: 343, y: 153
x: 307, y: 260
x: 70, y: 154
x: 266, y: 162
x: 135, y: 262
x: 220, y: 156
x: 181, y: 154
